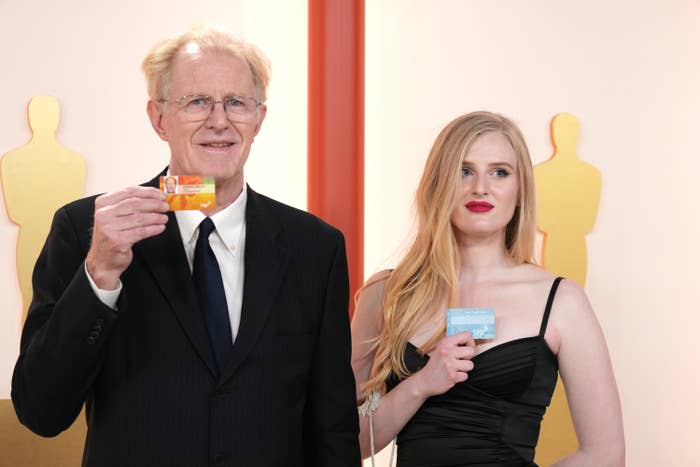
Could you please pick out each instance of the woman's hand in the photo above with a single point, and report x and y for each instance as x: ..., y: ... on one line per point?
x: 448, y: 365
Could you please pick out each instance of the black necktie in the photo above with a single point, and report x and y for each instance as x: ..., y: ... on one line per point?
x: 210, y: 293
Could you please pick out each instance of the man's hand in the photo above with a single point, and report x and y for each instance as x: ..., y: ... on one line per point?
x: 122, y: 218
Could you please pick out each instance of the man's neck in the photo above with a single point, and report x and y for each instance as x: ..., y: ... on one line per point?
x: 226, y: 193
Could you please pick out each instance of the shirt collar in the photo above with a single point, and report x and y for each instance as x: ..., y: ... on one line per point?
x: 228, y: 221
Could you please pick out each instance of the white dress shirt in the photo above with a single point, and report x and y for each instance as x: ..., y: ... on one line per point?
x: 228, y: 244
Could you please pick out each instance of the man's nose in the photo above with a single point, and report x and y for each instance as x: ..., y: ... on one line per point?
x: 217, y: 116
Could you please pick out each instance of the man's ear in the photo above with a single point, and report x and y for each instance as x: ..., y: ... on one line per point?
x: 262, y: 111
x: 155, y: 115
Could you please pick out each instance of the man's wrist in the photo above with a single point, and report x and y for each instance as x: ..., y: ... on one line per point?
x: 106, y: 296
x: 103, y: 281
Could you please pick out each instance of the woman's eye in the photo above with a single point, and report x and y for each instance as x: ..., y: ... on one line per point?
x: 466, y: 171
x: 501, y: 172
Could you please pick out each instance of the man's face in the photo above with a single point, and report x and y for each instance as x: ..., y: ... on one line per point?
x: 214, y: 146
x: 170, y: 185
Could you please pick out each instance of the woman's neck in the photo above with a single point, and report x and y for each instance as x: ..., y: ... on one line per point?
x: 483, y: 259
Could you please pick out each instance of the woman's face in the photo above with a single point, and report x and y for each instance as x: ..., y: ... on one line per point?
x: 488, y: 190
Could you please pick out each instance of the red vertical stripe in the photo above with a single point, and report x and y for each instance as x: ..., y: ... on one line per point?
x: 336, y: 122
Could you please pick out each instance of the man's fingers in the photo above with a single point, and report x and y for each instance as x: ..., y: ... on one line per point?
x: 122, y: 240
x: 140, y: 192
x: 130, y: 213
x: 137, y: 234
x: 132, y: 205
x: 135, y: 220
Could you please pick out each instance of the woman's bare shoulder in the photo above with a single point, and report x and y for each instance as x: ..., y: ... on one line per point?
x: 374, y: 287
x: 532, y: 276
x: 379, y: 276
x: 571, y: 312
x: 568, y: 293
x: 369, y: 299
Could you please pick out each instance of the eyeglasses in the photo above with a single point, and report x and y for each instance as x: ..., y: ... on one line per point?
x: 238, y: 108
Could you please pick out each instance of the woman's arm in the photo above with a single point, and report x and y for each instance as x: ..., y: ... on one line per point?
x: 365, y: 327
x: 586, y: 370
x: 448, y: 364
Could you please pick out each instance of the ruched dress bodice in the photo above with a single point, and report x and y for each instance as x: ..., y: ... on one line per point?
x: 493, y: 418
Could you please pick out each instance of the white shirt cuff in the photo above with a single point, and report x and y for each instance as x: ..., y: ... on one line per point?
x: 108, y: 297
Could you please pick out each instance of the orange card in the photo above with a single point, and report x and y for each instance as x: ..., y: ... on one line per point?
x: 189, y: 192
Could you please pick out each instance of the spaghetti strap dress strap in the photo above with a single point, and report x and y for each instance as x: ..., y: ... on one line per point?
x: 548, y: 307
x: 493, y: 418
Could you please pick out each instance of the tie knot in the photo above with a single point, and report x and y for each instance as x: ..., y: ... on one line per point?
x: 206, y: 227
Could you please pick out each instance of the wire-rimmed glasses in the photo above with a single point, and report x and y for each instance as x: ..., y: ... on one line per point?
x: 199, y: 106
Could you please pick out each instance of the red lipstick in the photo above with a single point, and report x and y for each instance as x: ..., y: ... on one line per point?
x: 479, y: 206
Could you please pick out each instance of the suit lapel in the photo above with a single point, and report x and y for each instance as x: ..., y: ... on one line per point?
x: 165, y: 257
x: 265, y: 264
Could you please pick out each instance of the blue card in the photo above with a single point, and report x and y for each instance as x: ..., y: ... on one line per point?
x: 481, y: 322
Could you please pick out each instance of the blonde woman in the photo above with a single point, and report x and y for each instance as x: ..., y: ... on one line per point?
x: 453, y: 400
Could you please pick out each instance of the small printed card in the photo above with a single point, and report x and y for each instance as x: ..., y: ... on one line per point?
x: 481, y: 322
x: 189, y: 192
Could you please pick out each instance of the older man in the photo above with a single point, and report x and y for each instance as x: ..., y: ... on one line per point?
x: 197, y: 337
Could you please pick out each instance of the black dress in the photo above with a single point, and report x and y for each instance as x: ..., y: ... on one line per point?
x: 493, y: 418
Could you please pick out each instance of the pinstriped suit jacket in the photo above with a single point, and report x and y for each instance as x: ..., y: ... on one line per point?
x: 146, y: 372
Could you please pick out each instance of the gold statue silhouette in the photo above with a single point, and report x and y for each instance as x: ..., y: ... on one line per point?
x: 37, y: 179
x: 568, y: 195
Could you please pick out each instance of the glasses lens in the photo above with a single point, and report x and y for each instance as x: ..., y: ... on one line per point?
x: 197, y: 105
x: 239, y: 106
x: 241, y: 109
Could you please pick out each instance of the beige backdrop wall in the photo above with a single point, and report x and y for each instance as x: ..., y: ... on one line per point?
x: 630, y: 70
x: 88, y: 55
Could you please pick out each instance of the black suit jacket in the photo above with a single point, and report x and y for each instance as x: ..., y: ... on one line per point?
x: 147, y: 374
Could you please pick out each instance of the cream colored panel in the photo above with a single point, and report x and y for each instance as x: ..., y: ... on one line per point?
x: 629, y: 71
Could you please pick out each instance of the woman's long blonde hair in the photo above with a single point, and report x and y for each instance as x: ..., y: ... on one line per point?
x: 427, y: 275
